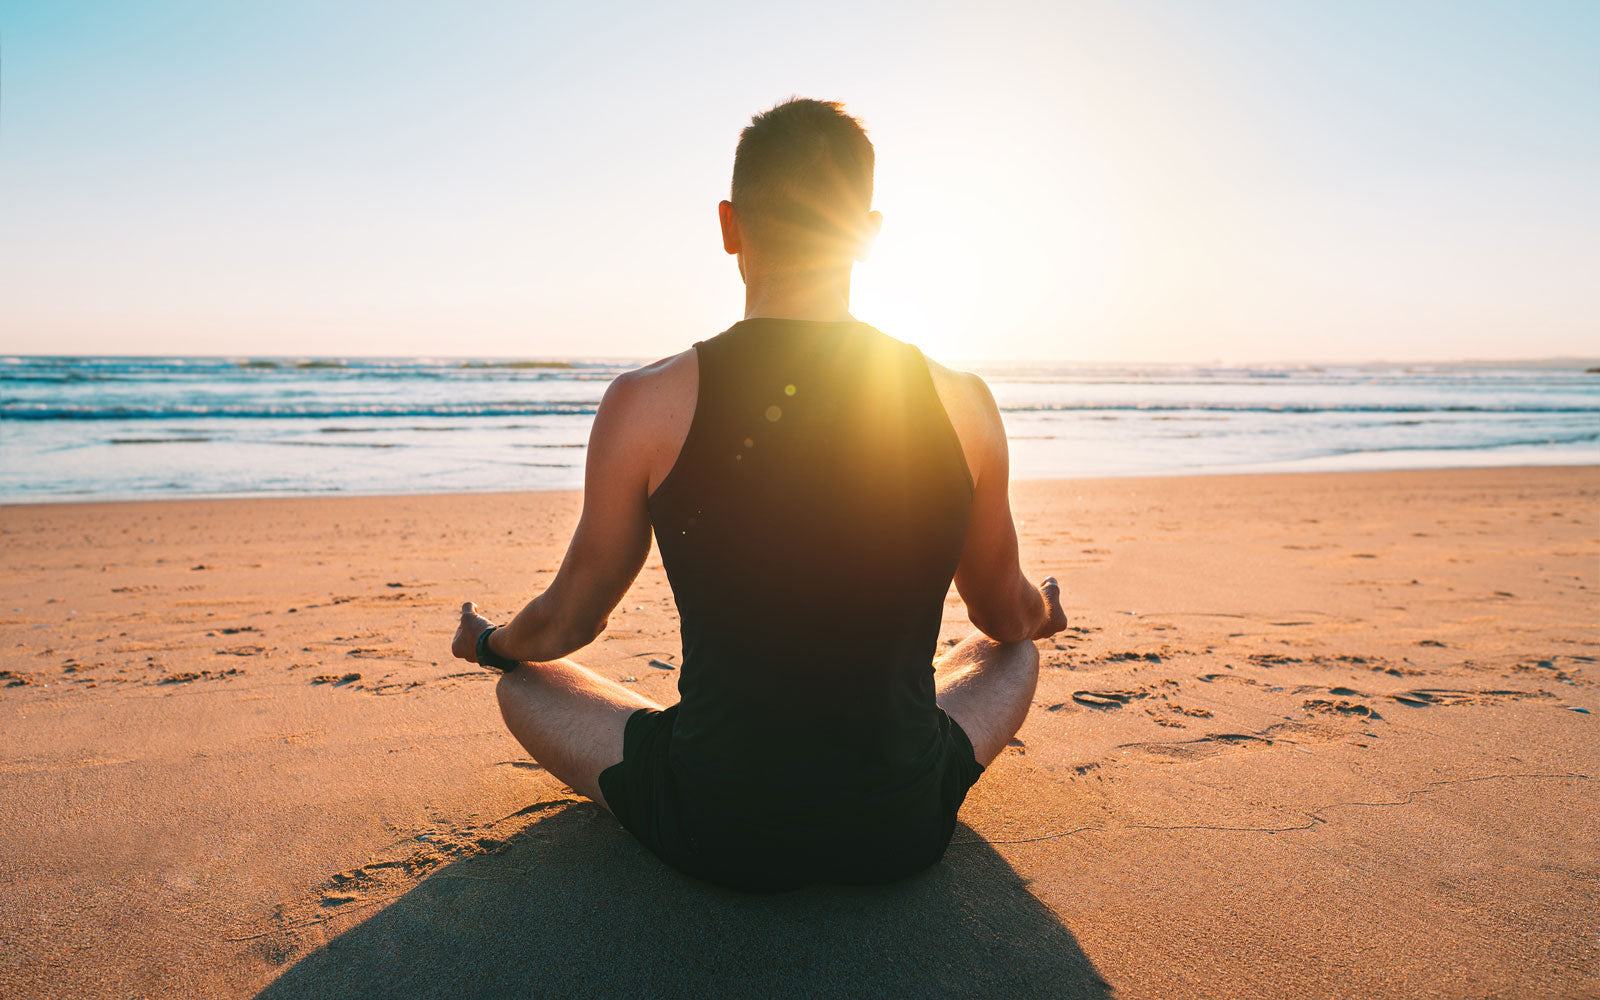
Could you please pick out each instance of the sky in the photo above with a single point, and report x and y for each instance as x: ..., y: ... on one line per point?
x: 1271, y: 181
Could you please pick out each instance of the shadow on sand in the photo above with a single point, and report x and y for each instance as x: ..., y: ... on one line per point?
x: 573, y: 906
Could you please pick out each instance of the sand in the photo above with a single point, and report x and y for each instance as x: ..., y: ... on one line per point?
x: 1309, y: 736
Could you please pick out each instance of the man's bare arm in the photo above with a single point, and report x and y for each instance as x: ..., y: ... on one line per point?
x: 1001, y: 601
x: 607, y: 550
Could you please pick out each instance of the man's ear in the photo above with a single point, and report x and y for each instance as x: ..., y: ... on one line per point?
x: 869, y: 235
x: 732, y: 238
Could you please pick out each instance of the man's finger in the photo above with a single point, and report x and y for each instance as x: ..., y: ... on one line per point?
x: 469, y: 608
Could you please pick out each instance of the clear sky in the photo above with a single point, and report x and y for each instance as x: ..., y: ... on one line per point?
x: 1128, y: 180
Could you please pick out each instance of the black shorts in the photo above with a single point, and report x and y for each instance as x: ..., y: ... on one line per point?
x: 643, y: 792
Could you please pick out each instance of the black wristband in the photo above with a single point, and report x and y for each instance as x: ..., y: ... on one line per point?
x: 488, y: 657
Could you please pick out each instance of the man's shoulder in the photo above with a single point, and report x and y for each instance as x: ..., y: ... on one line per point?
x: 646, y: 414
x: 649, y: 384
x: 972, y: 412
x: 955, y: 377
x: 961, y: 392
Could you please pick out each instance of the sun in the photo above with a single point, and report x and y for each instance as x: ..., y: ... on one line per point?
x: 920, y: 286
x: 966, y: 283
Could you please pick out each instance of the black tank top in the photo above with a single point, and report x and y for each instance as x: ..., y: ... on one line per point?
x: 810, y: 529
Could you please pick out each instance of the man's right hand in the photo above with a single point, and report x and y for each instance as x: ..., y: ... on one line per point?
x: 1055, y: 617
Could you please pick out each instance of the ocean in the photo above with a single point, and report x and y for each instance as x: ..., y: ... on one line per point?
x: 81, y: 428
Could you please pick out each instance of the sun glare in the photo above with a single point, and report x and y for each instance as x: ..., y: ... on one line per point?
x: 957, y: 276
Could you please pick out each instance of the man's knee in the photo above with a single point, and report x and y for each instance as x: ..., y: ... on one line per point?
x: 507, y: 687
x: 1027, y: 665
x: 1020, y: 657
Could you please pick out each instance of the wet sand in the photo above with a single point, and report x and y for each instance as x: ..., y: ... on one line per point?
x: 1309, y: 736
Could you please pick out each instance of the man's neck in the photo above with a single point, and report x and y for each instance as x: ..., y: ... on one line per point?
x: 791, y: 296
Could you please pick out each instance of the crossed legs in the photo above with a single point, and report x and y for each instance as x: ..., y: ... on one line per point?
x: 570, y: 719
x: 987, y: 687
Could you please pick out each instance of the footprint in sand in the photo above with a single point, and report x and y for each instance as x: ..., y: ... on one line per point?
x: 391, y: 688
x: 376, y: 882
x: 1196, y: 749
x: 1427, y: 697
x: 374, y: 653
x: 1340, y: 707
x: 1102, y: 699
x: 1417, y: 699
x: 1281, y: 735
x: 1342, y: 692
x: 186, y: 676
x: 1122, y: 657
x: 1162, y: 720
x: 1117, y: 699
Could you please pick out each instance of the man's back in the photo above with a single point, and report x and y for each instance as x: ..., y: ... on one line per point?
x: 820, y: 482
x: 820, y: 485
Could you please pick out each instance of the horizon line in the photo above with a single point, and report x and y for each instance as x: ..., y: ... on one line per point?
x: 1555, y: 360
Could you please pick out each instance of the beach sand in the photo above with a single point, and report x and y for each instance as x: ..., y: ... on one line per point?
x: 1309, y: 736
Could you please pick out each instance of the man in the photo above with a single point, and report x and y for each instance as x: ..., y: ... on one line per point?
x: 813, y: 486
